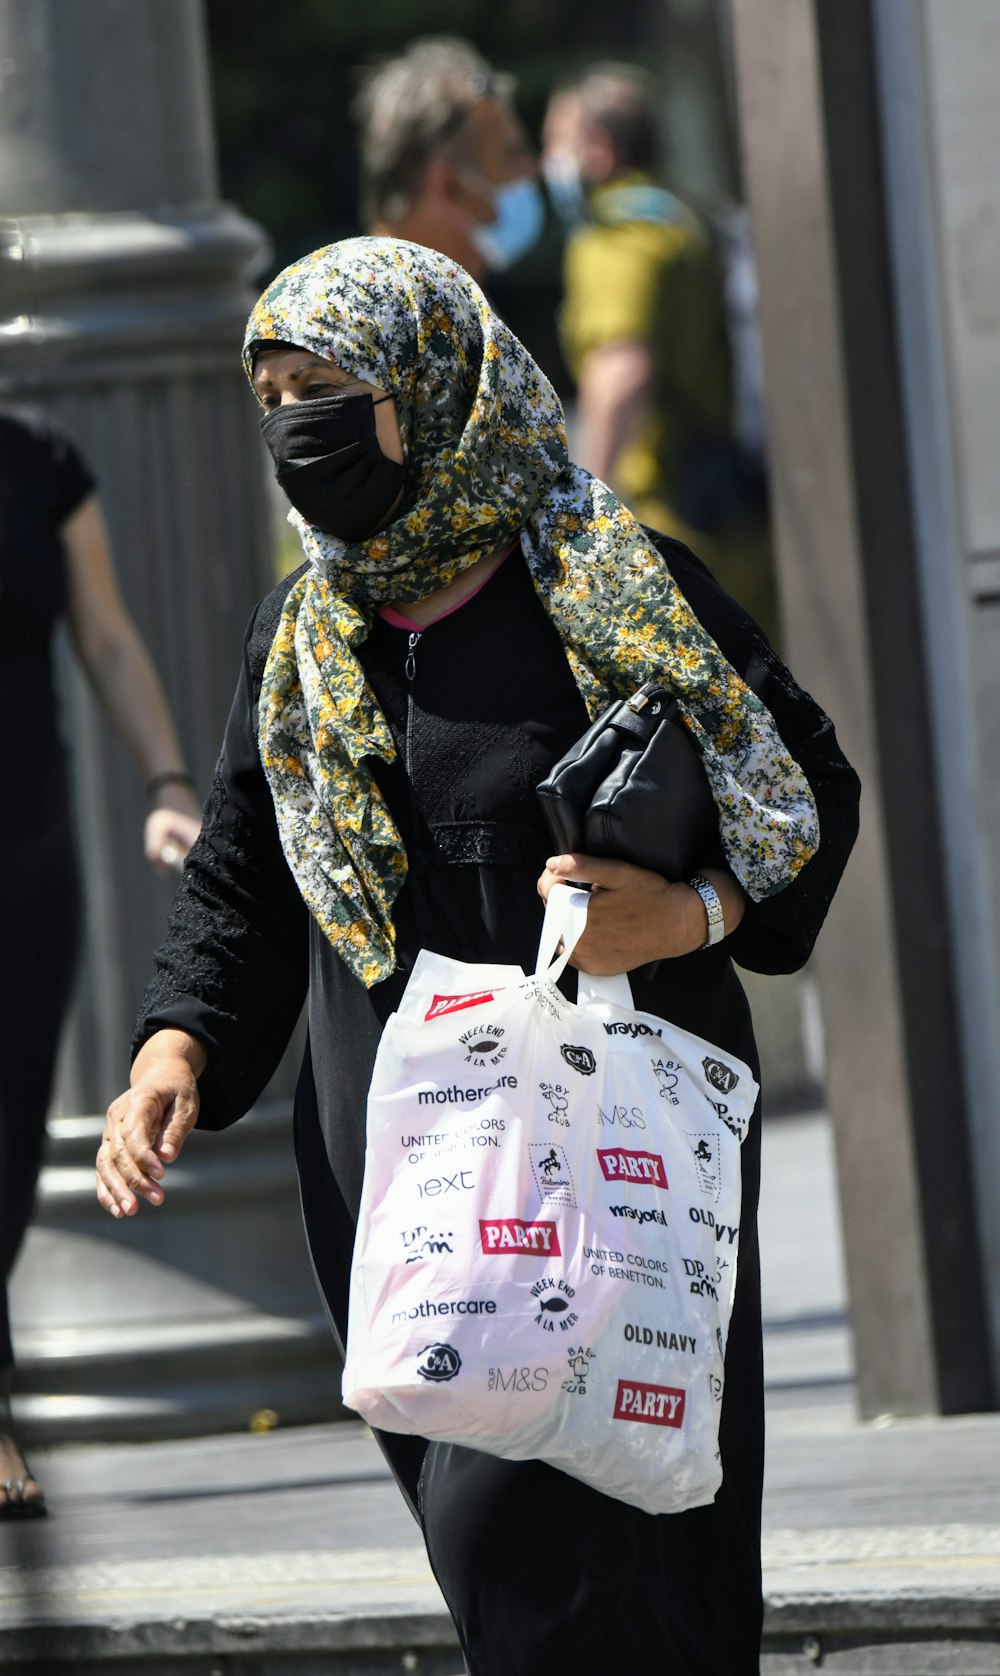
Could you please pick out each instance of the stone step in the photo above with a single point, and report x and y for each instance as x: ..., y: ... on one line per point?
x: 384, y: 1617
x: 190, y: 1317
x: 169, y: 1379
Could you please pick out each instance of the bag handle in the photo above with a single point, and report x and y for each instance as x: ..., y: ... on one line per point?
x: 565, y: 921
x: 616, y: 990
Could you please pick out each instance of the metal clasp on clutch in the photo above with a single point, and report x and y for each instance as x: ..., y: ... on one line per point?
x: 639, y: 702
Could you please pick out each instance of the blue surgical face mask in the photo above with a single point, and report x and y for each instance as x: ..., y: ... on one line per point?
x: 564, y: 185
x: 520, y: 213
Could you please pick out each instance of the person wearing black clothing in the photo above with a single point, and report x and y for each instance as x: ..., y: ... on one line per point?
x: 55, y: 568
x: 401, y: 697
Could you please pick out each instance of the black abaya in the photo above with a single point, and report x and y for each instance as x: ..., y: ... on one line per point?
x: 540, y: 1572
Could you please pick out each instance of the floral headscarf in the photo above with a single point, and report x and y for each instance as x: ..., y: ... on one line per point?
x: 486, y: 459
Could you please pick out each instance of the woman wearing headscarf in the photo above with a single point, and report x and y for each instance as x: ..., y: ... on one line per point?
x: 468, y: 600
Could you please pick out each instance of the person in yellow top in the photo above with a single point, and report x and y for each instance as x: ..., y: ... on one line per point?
x: 643, y: 322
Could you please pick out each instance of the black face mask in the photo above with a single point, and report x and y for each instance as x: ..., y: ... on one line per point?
x: 329, y: 463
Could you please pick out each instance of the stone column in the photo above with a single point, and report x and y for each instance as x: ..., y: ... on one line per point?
x: 124, y: 286
x: 859, y: 632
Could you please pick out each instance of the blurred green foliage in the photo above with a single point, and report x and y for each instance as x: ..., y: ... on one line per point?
x: 284, y: 76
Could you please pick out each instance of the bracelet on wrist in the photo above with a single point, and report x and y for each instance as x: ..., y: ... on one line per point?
x: 713, y: 910
x: 171, y: 777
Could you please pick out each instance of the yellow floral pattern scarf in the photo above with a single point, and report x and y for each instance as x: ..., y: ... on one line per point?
x: 486, y: 460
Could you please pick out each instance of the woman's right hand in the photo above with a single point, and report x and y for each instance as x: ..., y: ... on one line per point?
x: 169, y: 833
x: 147, y: 1126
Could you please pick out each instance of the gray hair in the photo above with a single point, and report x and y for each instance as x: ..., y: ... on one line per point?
x: 409, y: 110
x: 621, y: 100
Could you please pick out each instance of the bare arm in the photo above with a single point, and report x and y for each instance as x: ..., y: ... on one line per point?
x: 614, y: 391
x: 122, y: 676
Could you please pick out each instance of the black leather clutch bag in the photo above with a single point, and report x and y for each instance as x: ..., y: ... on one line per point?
x: 634, y: 787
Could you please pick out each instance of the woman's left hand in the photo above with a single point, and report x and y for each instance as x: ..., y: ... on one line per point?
x: 636, y: 916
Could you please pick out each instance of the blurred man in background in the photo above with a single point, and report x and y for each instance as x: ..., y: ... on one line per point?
x: 444, y: 159
x: 643, y: 321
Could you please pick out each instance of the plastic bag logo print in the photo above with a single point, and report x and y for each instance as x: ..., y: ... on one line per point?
x: 422, y: 1243
x: 579, y: 1367
x: 558, y: 1098
x: 666, y: 1073
x: 550, y: 1168
x: 484, y: 1045
x: 721, y: 1076
x: 551, y: 1301
x: 439, y: 1362
x: 708, y: 1164
x: 518, y: 1379
x: 721, y: 1111
x: 644, y: 1168
x: 509, y: 1235
x: 640, y: 1216
x: 654, y: 1405
x: 580, y: 1058
x: 457, y: 1003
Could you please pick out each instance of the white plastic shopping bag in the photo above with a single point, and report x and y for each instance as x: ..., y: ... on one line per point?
x: 548, y: 1235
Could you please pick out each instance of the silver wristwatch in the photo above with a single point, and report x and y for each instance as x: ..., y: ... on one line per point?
x: 713, y: 910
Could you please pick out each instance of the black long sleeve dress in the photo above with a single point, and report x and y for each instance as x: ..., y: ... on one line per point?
x: 540, y: 1572
x: 43, y: 481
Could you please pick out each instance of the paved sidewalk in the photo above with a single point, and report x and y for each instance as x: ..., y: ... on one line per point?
x: 293, y: 1552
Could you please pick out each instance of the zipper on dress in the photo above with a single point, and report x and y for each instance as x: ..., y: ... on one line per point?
x: 410, y: 671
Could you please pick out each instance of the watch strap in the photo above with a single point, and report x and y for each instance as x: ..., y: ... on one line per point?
x: 713, y: 910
